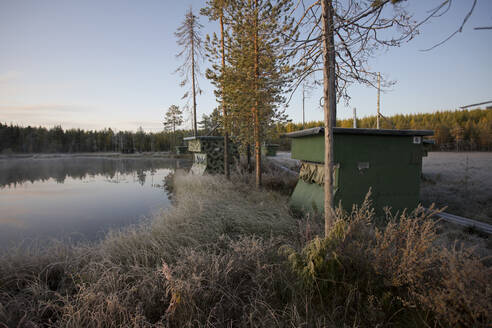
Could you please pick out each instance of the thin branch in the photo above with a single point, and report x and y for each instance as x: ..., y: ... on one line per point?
x: 459, y: 30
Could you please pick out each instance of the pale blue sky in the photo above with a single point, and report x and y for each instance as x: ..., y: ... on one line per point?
x: 109, y: 63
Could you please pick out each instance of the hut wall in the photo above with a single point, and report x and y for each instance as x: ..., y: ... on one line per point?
x: 388, y: 165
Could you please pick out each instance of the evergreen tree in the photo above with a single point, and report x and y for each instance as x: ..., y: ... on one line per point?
x: 211, y: 122
x: 258, y: 72
x: 173, y: 118
x: 216, y: 10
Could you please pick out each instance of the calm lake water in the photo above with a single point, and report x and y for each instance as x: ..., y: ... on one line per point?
x: 78, y: 198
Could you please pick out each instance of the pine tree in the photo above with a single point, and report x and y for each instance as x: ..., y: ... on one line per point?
x: 189, y: 38
x: 215, y: 10
x: 173, y: 118
x: 259, y: 71
x: 211, y: 122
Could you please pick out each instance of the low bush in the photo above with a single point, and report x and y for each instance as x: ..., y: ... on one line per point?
x: 398, y: 274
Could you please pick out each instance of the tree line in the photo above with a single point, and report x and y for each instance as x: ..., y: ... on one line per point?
x: 454, y: 130
x: 460, y: 130
x: 18, y: 139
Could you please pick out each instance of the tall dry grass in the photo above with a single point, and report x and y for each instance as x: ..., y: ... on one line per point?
x: 226, y: 255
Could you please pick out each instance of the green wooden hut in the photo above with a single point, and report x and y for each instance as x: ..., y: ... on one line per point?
x: 387, y: 161
x: 208, y: 154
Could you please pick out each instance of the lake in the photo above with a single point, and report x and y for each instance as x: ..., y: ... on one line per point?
x: 78, y: 198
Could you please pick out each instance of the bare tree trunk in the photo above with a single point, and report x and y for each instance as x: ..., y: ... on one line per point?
x: 226, y: 123
x: 193, y: 82
x: 330, y: 103
x: 248, y: 158
x: 257, y: 146
x: 256, y: 108
x: 379, y: 95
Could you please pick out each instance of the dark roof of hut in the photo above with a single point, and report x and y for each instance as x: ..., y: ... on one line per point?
x: 376, y: 132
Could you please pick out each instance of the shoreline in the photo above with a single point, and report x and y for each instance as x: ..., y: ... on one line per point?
x: 96, y: 155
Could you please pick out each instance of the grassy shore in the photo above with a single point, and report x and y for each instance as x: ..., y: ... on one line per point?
x: 226, y: 255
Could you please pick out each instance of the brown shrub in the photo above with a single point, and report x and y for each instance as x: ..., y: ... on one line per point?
x: 397, y: 271
x: 462, y: 296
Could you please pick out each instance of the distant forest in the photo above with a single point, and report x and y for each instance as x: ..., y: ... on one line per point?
x: 17, y: 139
x: 459, y: 130
x: 454, y: 130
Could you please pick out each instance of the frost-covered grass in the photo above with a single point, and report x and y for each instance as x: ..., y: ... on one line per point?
x: 460, y: 181
x: 227, y: 255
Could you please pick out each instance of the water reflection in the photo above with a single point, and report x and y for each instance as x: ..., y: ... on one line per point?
x: 18, y: 171
x: 78, y: 197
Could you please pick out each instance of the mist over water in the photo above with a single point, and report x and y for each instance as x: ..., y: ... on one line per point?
x: 78, y: 198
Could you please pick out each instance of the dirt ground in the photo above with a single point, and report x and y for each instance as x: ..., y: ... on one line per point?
x: 460, y: 181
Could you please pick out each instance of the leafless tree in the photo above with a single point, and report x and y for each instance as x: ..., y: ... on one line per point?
x: 338, y: 38
x: 189, y: 39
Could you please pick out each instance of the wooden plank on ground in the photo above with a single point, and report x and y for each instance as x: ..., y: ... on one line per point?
x: 485, y: 227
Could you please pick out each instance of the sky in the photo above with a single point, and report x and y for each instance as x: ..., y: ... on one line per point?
x: 97, y: 64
